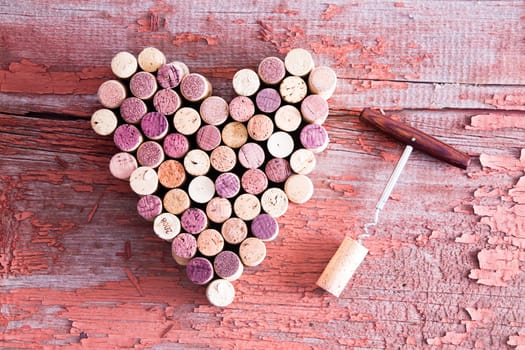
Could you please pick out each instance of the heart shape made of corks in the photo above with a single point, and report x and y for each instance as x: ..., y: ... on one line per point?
x: 214, y: 176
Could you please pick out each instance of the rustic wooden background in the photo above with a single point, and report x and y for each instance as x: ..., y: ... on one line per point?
x: 446, y: 269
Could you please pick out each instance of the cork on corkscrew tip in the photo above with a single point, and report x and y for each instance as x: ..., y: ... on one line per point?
x: 342, y: 266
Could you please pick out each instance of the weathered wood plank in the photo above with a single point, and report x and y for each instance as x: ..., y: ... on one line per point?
x: 80, y: 270
x: 67, y: 223
x: 390, y: 55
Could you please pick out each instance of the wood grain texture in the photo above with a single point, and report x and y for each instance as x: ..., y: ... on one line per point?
x: 445, y: 270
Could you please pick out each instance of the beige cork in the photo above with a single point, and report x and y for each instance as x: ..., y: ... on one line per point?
x: 219, y: 210
x: 342, y: 266
x: 288, y: 118
x: 104, y: 122
x: 299, y: 188
x: 260, y: 127
x: 246, y: 82
x: 176, y: 201
x: 234, y: 230
x: 187, y: 121
x: 144, y: 181
x: 247, y: 206
x: 322, y: 81
x: 210, y: 242
x: 197, y: 162
x: 166, y: 226
x: 293, y: 89
x: 274, y: 202
x: 124, y: 65
x: 234, y: 134
x: 252, y: 251
x: 201, y: 189
x: 299, y: 62
x: 223, y: 159
x: 220, y: 292
x: 150, y: 59
x: 303, y: 161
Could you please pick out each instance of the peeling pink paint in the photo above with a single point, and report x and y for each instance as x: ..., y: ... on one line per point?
x: 517, y: 340
x: 495, y: 121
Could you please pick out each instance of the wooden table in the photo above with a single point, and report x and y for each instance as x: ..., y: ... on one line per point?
x: 81, y: 270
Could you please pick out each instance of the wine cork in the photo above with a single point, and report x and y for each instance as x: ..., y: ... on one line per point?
x: 150, y: 59
x: 149, y: 207
x: 342, y: 266
x: 322, y: 81
x: 170, y: 75
x: 214, y: 110
x: 150, y: 154
x: 223, y: 159
x: 218, y: 210
x: 227, y: 185
x: 247, y: 206
x: 176, y: 145
x: 314, y: 137
x: 154, y: 125
x: 268, y: 100
x: 197, y: 162
x: 127, y: 137
x: 210, y: 242
x: 187, y: 121
x: 194, y: 220
x: 299, y: 188
x: 303, y: 161
x: 166, y: 101
x: 278, y: 170
x: 288, y: 118
x: 246, y: 82
x: 265, y: 227
x: 199, y: 270
x: 195, y: 87
x: 274, y: 202
x: 254, y: 181
x: 166, y: 226
x: 183, y: 248
x: 252, y: 251
x: 220, y: 292
x: 271, y: 70
x: 124, y: 65
x: 133, y: 109
x: 251, y: 155
x: 298, y: 62
x: 314, y: 109
x: 122, y: 164
x: 104, y: 122
x: 228, y: 265
x: 144, y: 181
x: 234, y: 134
x: 201, y: 189
x: 260, y: 127
x: 241, y: 108
x: 176, y: 201
x: 280, y: 144
x: 208, y: 137
x: 111, y: 94
x: 234, y: 230
x: 171, y: 173
x: 143, y: 85
x: 293, y: 89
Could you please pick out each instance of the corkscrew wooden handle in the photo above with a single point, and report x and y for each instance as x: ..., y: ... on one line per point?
x: 416, y: 138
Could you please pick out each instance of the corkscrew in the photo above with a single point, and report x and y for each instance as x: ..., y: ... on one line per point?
x: 351, y: 252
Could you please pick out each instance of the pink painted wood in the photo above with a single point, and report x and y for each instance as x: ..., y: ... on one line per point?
x: 81, y: 270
